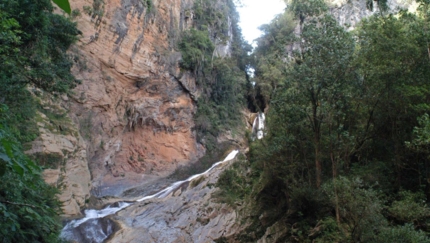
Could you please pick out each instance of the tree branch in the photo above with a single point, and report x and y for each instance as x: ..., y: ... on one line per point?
x: 18, y: 204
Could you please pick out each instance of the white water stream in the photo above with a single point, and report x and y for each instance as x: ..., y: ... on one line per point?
x: 92, y: 229
x: 258, y: 126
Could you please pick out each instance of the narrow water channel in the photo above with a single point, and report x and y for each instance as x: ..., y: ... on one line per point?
x: 95, y: 227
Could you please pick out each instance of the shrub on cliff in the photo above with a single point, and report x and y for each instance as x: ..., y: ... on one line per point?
x: 196, y: 49
x: 221, y: 79
x: 33, y: 45
x: 28, y: 206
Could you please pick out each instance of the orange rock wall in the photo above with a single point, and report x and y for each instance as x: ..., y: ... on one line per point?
x: 132, y: 108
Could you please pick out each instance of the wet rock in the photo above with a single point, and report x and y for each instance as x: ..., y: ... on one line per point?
x: 190, y: 213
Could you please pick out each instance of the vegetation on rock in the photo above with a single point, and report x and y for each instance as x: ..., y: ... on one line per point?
x: 221, y: 78
x: 33, y: 45
x: 346, y: 156
x: 33, y: 54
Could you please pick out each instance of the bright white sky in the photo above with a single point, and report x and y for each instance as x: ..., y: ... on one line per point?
x: 256, y: 13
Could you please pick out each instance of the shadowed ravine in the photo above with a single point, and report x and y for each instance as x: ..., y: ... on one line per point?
x: 95, y: 227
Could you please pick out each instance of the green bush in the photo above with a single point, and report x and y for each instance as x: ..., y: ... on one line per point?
x: 330, y: 231
x: 233, y: 184
x: 33, y: 56
x: 410, y: 207
x: 33, y: 53
x: 28, y: 206
x: 196, y: 49
x: 402, y: 234
x: 360, y: 208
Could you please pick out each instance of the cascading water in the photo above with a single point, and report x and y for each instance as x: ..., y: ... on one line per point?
x: 95, y: 227
x: 258, y: 126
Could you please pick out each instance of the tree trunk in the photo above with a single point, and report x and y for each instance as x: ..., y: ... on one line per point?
x: 427, y: 168
x: 318, y: 167
x: 336, y: 198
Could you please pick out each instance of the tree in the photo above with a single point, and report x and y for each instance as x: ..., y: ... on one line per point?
x: 28, y: 206
x: 33, y: 43
x: 343, y: 107
x: 393, y: 65
x: 324, y: 74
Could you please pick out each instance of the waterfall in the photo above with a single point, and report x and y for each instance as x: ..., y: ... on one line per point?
x: 258, y: 126
x: 95, y: 227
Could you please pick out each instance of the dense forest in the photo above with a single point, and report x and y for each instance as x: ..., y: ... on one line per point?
x: 34, y: 61
x: 347, y: 152
x: 346, y: 157
x: 33, y: 45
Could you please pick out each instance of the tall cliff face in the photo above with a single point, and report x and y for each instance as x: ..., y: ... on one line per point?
x: 135, y: 108
x: 62, y: 151
x: 132, y: 117
x: 349, y: 13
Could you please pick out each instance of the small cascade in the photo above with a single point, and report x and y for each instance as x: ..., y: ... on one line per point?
x: 95, y: 227
x: 258, y: 126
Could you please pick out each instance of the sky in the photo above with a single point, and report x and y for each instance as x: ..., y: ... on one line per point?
x: 255, y: 13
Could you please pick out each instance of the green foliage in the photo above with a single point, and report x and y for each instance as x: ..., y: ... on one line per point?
x: 213, y: 15
x: 75, y: 13
x: 42, y: 60
x: 88, y: 10
x: 48, y: 161
x: 224, y: 84
x: 360, y: 207
x: 330, y: 231
x: 421, y: 139
x: 410, y: 207
x: 222, y: 79
x: 33, y: 43
x: 9, y: 158
x: 403, y: 234
x: 64, y: 5
x: 382, y: 5
x: 149, y: 5
x: 10, y: 36
x: 270, y: 66
x: 334, y: 166
x: 233, y: 183
x: 28, y: 206
x: 97, y: 11
x: 196, y: 49
x: 307, y: 9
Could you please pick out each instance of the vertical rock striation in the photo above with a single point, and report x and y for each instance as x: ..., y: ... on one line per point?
x: 62, y: 151
x: 134, y: 107
x: 349, y: 13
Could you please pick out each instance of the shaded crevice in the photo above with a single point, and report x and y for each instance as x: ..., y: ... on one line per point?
x: 256, y: 103
x: 184, y: 88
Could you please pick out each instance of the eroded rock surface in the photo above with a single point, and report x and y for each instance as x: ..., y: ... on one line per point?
x: 62, y: 151
x: 349, y: 13
x: 134, y: 107
x: 190, y: 214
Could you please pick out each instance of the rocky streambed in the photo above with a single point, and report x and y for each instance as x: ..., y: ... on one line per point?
x: 186, y: 211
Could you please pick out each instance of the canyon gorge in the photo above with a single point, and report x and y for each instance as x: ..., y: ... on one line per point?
x: 164, y: 93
